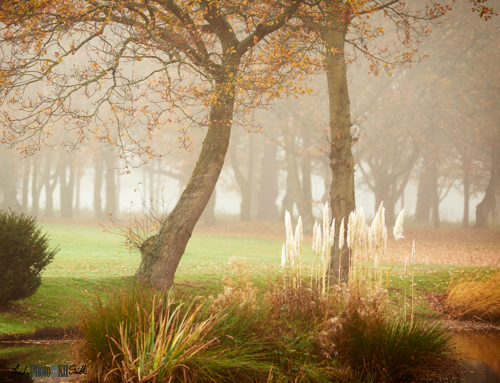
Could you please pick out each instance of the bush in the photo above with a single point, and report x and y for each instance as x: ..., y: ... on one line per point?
x: 24, y: 253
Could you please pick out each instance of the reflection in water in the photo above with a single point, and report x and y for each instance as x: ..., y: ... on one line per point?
x: 483, y: 353
x: 24, y: 355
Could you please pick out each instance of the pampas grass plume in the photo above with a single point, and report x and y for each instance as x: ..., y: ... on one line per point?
x: 398, y: 227
x: 341, y: 234
x: 332, y: 233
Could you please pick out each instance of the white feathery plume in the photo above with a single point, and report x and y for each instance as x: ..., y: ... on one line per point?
x: 315, y: 234
x: 326, y: 232
x: 398, y: 227
x: 383, y: 243
x: 381, y: 225
x: 351, y: 230
x: 288, y: 225
x: 371, y: 236
x: 332, y: 233
x: 318, y: 239
x: 299, y: 235
x: 341, y: 235
x: 406, y: 263
x: 373, y: 232
x: 360, y: 227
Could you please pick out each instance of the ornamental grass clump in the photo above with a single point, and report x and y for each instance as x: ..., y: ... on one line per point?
x: 137, y: 335
x: 383, y: 348
x: 477, y: 298
x: 158, y: 344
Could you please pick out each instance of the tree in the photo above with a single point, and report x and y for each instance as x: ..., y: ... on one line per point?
x: 341, y: 23
x: 202, y: 67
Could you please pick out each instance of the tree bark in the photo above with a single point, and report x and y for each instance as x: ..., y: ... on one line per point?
x: 488, y: 203
x: 268, y: 188
x: 342, y: 199
x: 160, y: 264
x: 208, y: 215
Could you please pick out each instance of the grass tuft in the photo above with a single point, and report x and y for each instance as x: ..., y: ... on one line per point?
x: 476, y: 299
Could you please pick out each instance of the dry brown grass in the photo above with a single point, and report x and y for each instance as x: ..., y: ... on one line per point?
x: 446, y: 246
x: 476, y: 299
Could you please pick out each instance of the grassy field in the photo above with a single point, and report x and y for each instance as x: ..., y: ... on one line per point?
x: 90, y: 261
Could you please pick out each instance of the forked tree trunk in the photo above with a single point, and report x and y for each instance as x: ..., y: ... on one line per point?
x: 342, y: 200
x: 160, y: 264
x: 488, y: 203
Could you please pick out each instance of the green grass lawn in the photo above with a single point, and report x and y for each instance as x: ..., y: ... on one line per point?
x: 90, y: 262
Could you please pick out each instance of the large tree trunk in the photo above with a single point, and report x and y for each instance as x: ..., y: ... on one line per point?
x: 488, y: 203
x: 208, y: 215
x: 160, y: 264
x: 268, y: 188
x: 424, y: 192
x: 342, y: 200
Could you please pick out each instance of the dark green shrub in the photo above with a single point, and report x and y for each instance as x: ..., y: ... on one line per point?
x: 24, y: 252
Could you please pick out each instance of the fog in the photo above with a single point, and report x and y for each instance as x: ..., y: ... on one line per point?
x: 437, y: 114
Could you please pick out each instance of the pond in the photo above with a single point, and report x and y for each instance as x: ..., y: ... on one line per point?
x: 481, y: 351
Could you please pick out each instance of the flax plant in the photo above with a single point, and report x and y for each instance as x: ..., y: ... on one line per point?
x: 160, y: 342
